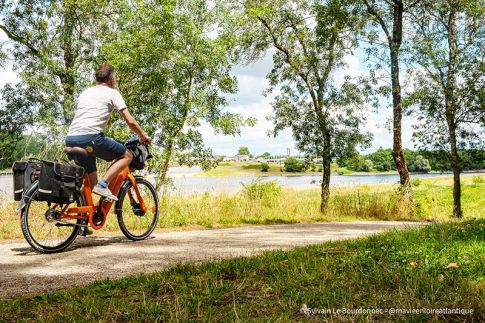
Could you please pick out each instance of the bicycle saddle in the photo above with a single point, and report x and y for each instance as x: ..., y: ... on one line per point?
x: 78, y: 154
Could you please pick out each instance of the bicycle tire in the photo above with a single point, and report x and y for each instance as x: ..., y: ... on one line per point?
x: 119, y: 210
x: 24, y: 223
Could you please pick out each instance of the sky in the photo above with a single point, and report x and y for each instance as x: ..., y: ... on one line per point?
x: 250, y: 102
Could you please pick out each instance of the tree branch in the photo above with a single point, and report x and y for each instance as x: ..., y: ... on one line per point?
x: 21, y: 40
x: 289, y: 60
x: 381, y: 21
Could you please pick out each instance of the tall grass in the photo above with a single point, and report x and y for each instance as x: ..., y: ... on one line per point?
x: 265, y: 203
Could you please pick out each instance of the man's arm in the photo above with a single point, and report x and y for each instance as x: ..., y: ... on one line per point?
x: 134, y: 126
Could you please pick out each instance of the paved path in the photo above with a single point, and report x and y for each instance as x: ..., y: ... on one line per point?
x: 24, y: 272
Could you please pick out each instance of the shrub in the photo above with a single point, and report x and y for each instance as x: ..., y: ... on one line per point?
x: 264, y: 167
x: 258, y: 190
x: 419, y: 164
x: 416, y: 181
x: 292, y: 165
x: 477, y: 179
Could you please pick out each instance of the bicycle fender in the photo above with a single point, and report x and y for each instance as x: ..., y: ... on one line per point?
x: 28, y: 191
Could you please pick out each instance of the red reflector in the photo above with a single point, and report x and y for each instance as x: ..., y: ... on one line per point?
x: 36, y: 174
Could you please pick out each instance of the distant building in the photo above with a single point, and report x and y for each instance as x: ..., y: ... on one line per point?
x: 237, y: 158
x: 241, y: 157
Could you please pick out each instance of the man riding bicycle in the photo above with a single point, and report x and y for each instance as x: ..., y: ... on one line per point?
x: 94, y: 107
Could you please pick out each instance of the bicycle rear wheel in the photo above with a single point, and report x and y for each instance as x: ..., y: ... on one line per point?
x: 133, y: 221
x: 42, y: 228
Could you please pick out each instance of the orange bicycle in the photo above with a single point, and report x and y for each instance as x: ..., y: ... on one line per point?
x: 50, y: 227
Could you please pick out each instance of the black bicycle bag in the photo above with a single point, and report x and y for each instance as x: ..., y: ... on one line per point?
x: 59, y: 182
x: 23, y: 176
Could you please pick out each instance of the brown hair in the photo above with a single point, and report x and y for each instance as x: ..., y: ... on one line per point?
x: 104, y: 73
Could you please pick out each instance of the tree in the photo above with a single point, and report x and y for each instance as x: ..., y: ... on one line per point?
x: 14, y: 118
x: 292, y: 165
x: 310, y: 39
x: 419, y: 164
x: 243, y: 151
x: 264, y: 167
x: 450, y: 95
x: 265, y: 155
x: 53, y: 47
x: 388, y: 15
x: 173, y: 72
x: 382, y: 159
x: 358, y: 163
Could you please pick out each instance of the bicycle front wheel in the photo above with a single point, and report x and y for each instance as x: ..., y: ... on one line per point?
x: 135, y: 223
x: 42, y: 227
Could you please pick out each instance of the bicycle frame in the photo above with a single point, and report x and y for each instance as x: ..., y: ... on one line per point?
x: 90, y: 208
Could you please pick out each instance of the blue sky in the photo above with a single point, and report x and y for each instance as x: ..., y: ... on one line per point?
x: 249, y: 101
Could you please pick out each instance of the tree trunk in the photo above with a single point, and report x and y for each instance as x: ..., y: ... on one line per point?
x: 326, y: 163
x: 450, y: 115
x: 325, y: 186
x: 455, y: 161
x: 66, y: 76
x: 398, y: 154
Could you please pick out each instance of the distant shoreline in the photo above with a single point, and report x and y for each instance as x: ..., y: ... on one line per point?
x: 286, y: 174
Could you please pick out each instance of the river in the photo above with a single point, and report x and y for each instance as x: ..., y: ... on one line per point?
x: 184, y: 183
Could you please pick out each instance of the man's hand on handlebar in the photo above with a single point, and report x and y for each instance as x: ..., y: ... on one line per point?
x: 144, y: 139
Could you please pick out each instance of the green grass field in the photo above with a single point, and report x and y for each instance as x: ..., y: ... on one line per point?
x: 434, y: 267
x: 266, y: 204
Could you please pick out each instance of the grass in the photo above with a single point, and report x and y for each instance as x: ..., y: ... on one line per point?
x: 268, y: 203
x: 398, y: 269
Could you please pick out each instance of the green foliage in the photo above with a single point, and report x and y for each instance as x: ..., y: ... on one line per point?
x: 174, y: 73
x: 53, y: 49
x: 358, y: 163
x: 293, y: 165
x: 259, y: 190
x: 382, y: 160
x: 265, y: 155
x: 264, y: 167
x: 243, y: 151
x: 324, y: 116
x: 446, y: 50
x: 15, y: 116
x: 419, y: 164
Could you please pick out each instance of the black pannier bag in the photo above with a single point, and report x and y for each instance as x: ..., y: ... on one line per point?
x: 59, y: 182
x: 23, y: 176
x: 140, y: 154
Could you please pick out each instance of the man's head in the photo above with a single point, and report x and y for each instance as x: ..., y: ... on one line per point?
x: 105, y: 74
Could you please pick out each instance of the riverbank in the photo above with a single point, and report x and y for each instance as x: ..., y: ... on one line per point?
x: 266, y: 203
x: 254, y: 169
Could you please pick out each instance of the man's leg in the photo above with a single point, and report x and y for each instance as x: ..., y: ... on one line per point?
x: 109, y: 149
x: 93, y: 179
x: 118, y: 166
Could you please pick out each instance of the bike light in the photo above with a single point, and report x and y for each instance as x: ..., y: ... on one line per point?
x: 36, y: 174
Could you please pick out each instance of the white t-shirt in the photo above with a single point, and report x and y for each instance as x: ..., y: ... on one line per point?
x: 94, y: 107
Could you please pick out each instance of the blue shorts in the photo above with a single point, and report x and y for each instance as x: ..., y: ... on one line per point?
x: 97, y: 145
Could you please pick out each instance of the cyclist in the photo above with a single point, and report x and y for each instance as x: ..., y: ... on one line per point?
x: 94, y: 106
